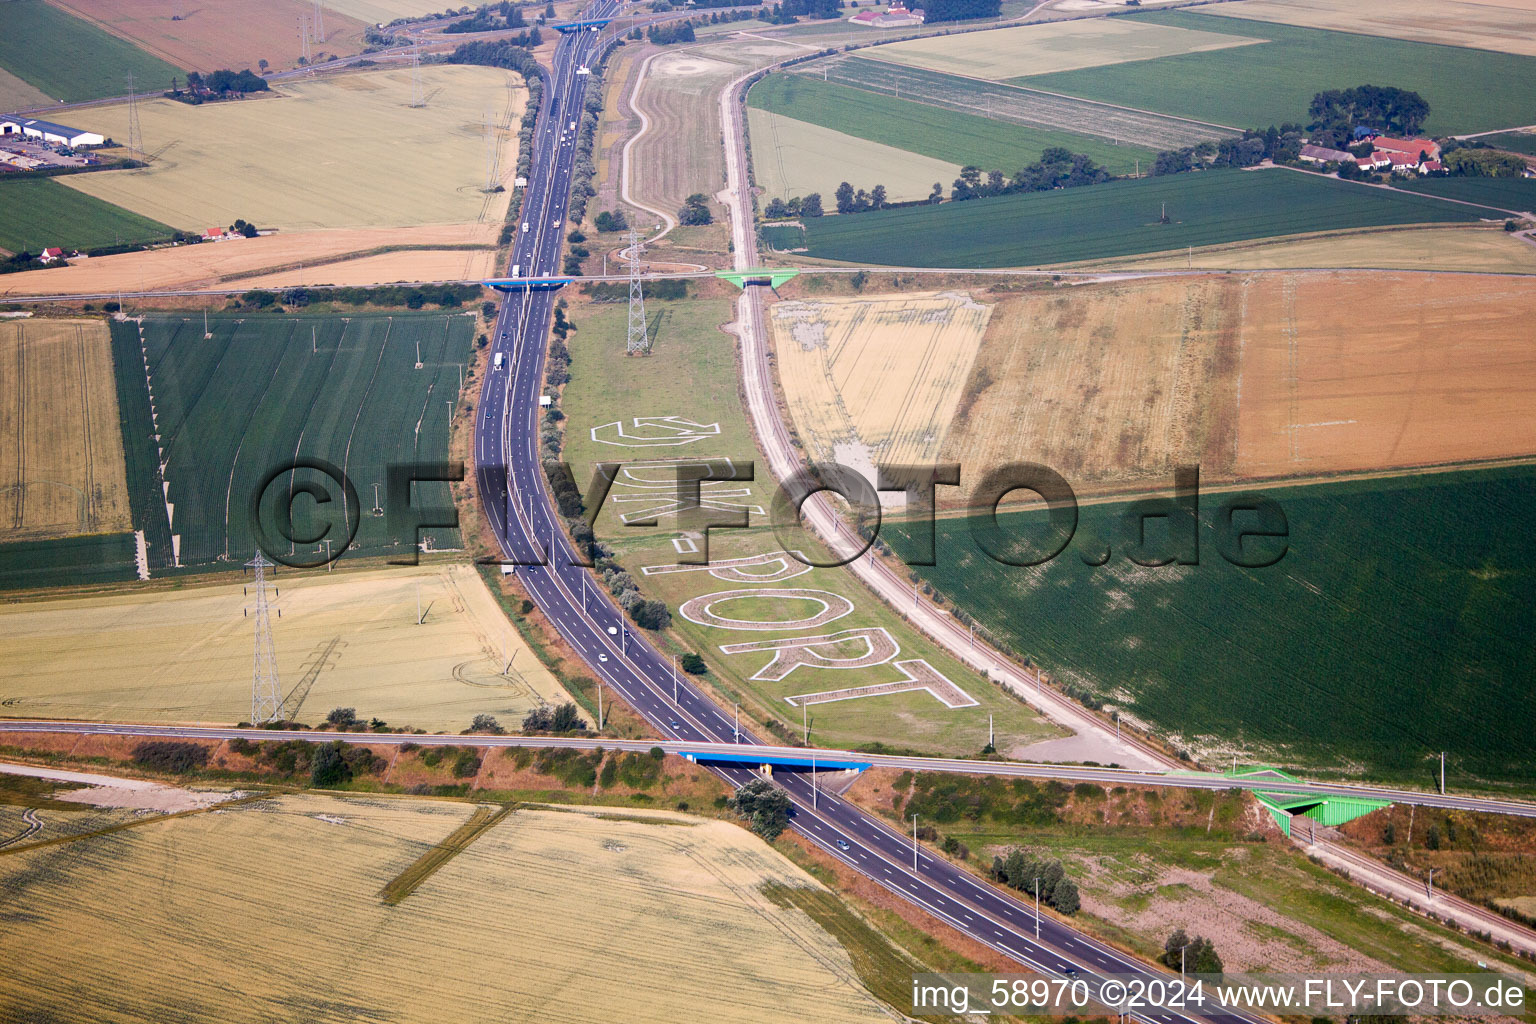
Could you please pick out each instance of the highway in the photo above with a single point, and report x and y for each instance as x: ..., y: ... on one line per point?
x: 517, y: 504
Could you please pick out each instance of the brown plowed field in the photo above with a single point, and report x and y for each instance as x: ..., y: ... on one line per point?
x: 1357, y: 372
x: 215, y: 34
x: 1104, y: 383
x: 1259, y: 376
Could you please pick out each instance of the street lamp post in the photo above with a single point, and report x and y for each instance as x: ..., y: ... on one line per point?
x: 914, y: 842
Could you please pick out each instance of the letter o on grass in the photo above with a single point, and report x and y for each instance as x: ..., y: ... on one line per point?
x: 1060, y: 503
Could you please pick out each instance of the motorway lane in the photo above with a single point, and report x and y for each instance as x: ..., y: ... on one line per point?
x: 518, y: 505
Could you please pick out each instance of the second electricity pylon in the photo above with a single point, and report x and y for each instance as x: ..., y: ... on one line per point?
x: 637, y: 343
x: 135, y: 142
x: 416, y: 94
x: 266, y: 695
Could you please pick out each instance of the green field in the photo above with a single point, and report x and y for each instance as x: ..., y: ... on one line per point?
x: 1273, y: 82
x: 247, y: 401
x: 72, y: 60
x: 1117, y: 218
x: 931, y: 131
x: 1513, y: 142
x: 1503, y: 193
x: 1001, y: 102
x: 36, y: 213
x: 1396, y: 626
x: 96, y: 558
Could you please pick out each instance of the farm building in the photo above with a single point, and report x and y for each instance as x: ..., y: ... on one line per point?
x: 1409, y: 147
x: 50, y: 254
x: 48, y: 131
x: 1324, y: 155
x: 895, y: 16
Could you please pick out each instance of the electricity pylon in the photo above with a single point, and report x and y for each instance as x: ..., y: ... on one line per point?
x: 637, y: 343
x: 266, y: 694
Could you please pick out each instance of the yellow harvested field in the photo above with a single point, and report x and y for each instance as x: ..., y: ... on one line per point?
x: 376, y: 12
x: 233, y: 262
x: 796, y: 158
x: 345, y: 639
x: 1055, y: 46
x: 550, y: 915
x: 387, y: 268
x: 1104, y: 383
x: 1508, y: 25
x: 876, y: 378
x: 1489, y: 250
x: 16, y: 94
x: 61, y: 463
x: 1426, y: 369
x: 343, y: 152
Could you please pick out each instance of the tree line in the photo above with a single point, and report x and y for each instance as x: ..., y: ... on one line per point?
x: 1031, y: 874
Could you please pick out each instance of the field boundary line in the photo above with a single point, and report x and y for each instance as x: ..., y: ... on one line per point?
x: 1007, y: 84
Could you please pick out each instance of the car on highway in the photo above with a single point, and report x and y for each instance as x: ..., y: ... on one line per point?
x: 602, y: 657
x: 842, y: 844
x: 675, y: 725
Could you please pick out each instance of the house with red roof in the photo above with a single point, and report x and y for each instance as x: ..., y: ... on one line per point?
x: 49, y: 255
x: 895, y: 16
x: 1412, y: 147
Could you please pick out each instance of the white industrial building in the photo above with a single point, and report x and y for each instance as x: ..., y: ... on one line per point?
x: 47, y: 131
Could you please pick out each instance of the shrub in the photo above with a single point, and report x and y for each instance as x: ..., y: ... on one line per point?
x: 466, y: 765
x: 486, y: 724
x: 562, y: 718
x: 329, y: 768
x: 170, y: 756
x: 764, y: 806
x: 1197, y: 955
x: 693, y: 664
x: 342, y: 718
x: 652, y: 615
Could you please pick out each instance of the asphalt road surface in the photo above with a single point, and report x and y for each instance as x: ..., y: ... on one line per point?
x: 517, y: 503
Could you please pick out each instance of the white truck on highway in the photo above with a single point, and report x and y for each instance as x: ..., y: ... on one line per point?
x: 500, y: 357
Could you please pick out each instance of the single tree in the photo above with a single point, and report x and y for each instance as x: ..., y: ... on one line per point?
x: 329, y: 768
x: 483, y: 723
